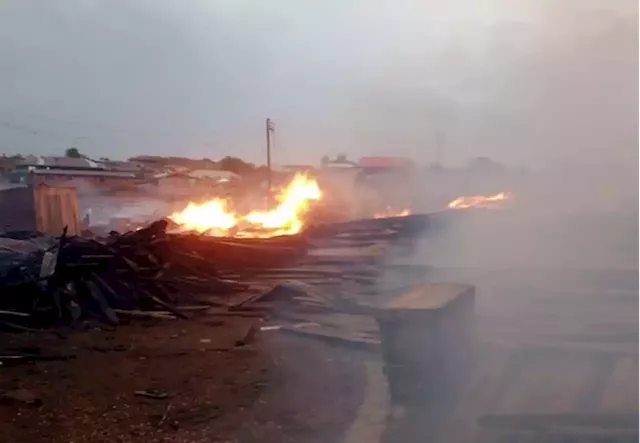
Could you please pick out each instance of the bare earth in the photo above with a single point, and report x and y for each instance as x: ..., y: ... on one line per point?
x: 279, y: 388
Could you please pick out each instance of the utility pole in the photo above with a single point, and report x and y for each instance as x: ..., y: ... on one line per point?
x: 269, y: 131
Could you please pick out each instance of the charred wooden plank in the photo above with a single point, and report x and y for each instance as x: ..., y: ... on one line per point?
x: 93, y: 291
x: 175, y: 311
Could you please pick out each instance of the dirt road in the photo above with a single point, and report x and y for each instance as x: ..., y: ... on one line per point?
x: 277, y: 389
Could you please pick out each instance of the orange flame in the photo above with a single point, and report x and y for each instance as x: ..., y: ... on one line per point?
x: 213, y: 217
x: 478, y: 201
x: 389, y: 213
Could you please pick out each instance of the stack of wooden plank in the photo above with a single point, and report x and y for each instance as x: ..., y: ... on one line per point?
x: 367, y: 232
x: 150, y: 272
x: 145, y: 270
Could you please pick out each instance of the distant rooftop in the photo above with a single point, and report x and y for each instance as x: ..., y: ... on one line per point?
x: 59, y: 162
x: 83, y: 173
x: 124, y: 166
x: 199, y: 174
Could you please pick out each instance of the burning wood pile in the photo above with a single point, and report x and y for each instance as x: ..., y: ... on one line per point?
x: 367, y: 232
x: 145, y: 270
x: 215, y: 217
x: 206, y: 252
x: 152, y: 273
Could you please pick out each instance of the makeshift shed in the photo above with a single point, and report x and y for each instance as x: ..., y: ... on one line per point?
x: 39, y: 208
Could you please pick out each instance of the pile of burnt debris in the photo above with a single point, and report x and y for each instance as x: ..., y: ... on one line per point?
x: 47, y: 281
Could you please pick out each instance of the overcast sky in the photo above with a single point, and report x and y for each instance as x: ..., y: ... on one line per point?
x: 525, y: 82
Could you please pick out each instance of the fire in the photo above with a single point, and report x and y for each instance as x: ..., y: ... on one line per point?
x: 215, y: 218
x: 479, y: 201
x: 210, y: 216
x: 294, y: 201
x: 388, y: 213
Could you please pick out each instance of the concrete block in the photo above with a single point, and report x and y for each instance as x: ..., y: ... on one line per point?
x: 427, y: 341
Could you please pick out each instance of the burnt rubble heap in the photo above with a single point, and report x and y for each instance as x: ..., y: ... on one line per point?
x: 47, y: 282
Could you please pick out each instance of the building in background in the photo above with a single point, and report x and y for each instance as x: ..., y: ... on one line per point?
x: 138, y: 168
x: 189, y: 183
x: 340, y: 162
x: 69, y: 171
x: 92, y: 178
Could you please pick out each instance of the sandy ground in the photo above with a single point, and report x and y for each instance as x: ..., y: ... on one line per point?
x: 279, y: 388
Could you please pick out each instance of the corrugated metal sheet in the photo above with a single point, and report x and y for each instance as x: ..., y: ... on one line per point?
x: 59, y: 162
x: 83, y: 173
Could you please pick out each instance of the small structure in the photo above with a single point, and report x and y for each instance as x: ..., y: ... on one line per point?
x: 340, y: 162
x: 427, y: 333
x: 40, y: 208
x: 427, y: 346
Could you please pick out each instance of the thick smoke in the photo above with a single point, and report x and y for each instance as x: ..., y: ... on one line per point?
x: 551, y: 92
x: 547, y: 88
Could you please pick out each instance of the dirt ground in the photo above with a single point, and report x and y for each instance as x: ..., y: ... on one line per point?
x: 279, y: 388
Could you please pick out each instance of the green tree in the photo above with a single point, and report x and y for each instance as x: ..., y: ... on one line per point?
x: 72, y: 152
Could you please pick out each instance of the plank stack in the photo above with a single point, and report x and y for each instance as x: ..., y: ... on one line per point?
x: 138, y: 271
x: 152, y: 273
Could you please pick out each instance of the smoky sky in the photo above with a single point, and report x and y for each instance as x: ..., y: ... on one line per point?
x: 527, y: 82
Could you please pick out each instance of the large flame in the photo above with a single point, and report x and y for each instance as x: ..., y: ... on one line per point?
x: 215, y: 218
x: 479, y: 201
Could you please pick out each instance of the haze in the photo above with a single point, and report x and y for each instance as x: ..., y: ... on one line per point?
x: 527, y: 83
